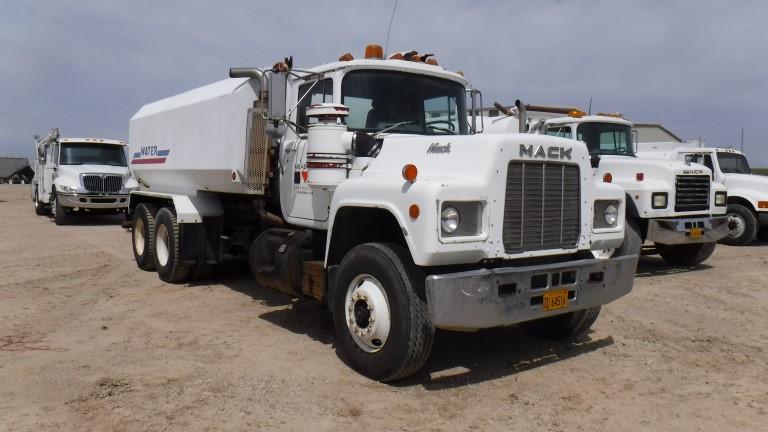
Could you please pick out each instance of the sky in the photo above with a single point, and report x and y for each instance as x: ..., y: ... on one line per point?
x: 86, y: 66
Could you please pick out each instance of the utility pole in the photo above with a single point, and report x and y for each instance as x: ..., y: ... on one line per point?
x: 742, y: 140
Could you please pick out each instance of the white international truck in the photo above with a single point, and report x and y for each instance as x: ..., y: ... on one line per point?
x: 747, y: 193
x: 360, y: 184
x: 673, y: 204
x: 85, y: 175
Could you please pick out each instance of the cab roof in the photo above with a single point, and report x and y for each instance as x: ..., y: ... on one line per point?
x: 589, y: 119
x: 92, y: 141
x: 395, y: 65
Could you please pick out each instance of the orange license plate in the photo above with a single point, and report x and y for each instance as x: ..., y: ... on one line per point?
x: 554, y: 300
x: 695, y: 233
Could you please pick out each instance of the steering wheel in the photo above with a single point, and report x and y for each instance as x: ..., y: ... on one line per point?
x: 450, y: 124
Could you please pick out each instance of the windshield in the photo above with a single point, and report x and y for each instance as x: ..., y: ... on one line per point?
x: 92, y: 154
x: 606, y: 138
x: 733, y: 163
x: 404, y: 102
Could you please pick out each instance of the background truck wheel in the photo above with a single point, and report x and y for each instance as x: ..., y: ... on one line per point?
x: 200, y: 271
x: 742, y: 226
x: 686, y: 254
x: 40, y: 209
x: 59, y: 212
x: 563, y: 326
x: 143, y: 236
x: 632, y: 244
x: 380, y: 312
x: 166, y: 251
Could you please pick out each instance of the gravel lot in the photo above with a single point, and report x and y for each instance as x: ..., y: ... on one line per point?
x: 89, y: 342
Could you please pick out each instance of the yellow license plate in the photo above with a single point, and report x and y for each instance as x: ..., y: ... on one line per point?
x: 554, y: 300
x: 695, y: 233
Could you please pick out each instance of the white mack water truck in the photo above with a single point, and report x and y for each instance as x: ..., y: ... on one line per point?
x: 85, y: 175
x: 360, y: 184
x: 747, y: 192
x: 673, y: 204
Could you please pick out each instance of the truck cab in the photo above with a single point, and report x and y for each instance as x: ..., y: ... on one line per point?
x: 747, y: 209
x: 84, y: 175
x: 674, y: 205
x: 361, y: 184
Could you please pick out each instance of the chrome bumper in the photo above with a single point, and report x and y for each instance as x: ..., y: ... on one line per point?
x: 91, y: 201
x: 678, y: 231
x: 486, y: 298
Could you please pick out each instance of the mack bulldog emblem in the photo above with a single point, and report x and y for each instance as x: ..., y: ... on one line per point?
x: 541, y: 152
x: 436, y: 148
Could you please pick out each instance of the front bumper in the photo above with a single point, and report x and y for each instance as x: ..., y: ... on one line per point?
x: 497, y: 297
x: 94, y: 201
x: 678, y: 231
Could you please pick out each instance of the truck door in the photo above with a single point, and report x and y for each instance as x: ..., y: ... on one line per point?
x: 49, y: 173
x: 296, y: 197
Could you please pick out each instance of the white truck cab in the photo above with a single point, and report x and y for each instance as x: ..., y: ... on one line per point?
x: 747, y: 192
x: 80, y: 175
x: 673, y: 204
x: 360, y: 184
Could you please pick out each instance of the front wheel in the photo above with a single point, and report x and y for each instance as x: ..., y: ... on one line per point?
x: 40, y: 209
x: 563, y: 326
x: 60, y: 215
x: 686, y: 254
x: 380, y: 312
x: 742, y: 226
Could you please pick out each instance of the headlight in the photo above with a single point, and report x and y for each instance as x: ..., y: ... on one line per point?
x: 449, y: 220
x: 659, y: 200
x: 721, y: 198
x: 67, y: 188
x: 611, y: 214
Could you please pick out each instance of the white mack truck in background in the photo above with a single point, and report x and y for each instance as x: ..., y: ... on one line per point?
x: 747, y: 193
x: 360, y: 184
x: 673, y: 204
x: 85, y: 175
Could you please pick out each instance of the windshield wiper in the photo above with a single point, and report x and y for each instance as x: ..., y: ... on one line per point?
x: 390, y: 127
x: 442, y: 129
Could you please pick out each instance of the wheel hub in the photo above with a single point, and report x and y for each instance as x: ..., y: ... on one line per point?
x: 138, y: 236
x: 367, y: 313
x: 736, y: 226
x: 162, y: 245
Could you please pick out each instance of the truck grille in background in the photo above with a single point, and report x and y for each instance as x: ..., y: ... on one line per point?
x: 541, y: 209
x: 102, y: 184
x: 691, y: 193
x: 257, y: 147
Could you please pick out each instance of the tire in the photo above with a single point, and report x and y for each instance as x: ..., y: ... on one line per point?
x: 59, y: 212
x: 382, y: 276
x: 742, y: 225
x: 40, y: 208
x: 143, y: 236
x: 563, y: 326
x: 686, y: 254
x: 200, y: 271
x: 166, y: 251
x: 632, y: 244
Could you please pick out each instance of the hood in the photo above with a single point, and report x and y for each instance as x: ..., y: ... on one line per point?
x: 92, y: 169
x: 624, y: 170
x: 756, y: 183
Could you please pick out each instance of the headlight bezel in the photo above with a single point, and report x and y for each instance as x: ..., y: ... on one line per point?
x: 662, y: 195
x: 450, y: 219
x: 472, y: 224
x: 724, y: 195
x: 600, y: 221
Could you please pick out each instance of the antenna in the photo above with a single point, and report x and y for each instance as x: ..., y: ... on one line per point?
x: 589, y: 111
x: 392, y: 18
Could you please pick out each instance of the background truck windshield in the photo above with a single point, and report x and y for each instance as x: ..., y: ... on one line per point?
x: 92, y: 154
x: 606, y: 138
x: 733, y: 163
x: 427, y: 105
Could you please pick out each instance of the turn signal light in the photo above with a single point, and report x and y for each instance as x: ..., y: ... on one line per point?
x: 639, y: 176
x: 607, y: 178
x: 410, y: 172
x: 762, y: 204
x: 414, y: 211
x: 374, y: 51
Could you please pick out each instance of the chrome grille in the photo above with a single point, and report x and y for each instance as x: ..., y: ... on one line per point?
x: 541, y: 208
x: 257, y: 143
x: 691, y: 193
x: 100, y: 183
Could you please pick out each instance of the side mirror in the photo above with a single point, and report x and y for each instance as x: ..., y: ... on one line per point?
x: 476, y: 97
x: 278, y: 85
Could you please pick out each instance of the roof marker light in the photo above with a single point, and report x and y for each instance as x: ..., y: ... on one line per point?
x: 374, y: 51
x: 346, y: 57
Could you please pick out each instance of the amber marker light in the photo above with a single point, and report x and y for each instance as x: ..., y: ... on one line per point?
x: 410, y: 172
x: 414, y: 211
x: 607, y: 177
x: 374, y: 51
x: 762, y: 204
x: 639, y: 176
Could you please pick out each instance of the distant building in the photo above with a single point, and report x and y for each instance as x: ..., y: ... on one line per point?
x: 652, y: 132
x: 15, y: 170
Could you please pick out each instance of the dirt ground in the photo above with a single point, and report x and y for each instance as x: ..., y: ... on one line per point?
x: 89, y: 342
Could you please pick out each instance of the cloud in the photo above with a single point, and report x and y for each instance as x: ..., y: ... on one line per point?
x: 86, y: 66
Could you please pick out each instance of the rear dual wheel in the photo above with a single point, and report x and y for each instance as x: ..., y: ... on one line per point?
x: 156, y: 243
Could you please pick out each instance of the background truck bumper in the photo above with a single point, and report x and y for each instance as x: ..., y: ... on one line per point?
x: 678, y: 231
x: 486, y: 298
x: 762, y: 217
x: 88, y: 201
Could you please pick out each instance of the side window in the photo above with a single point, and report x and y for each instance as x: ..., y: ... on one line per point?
x: 49, y: 154
x: 613, y: 141
x: 708, y: 162
x: 559, y: 131
x: 56, y: 154
x: 320, y: 93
